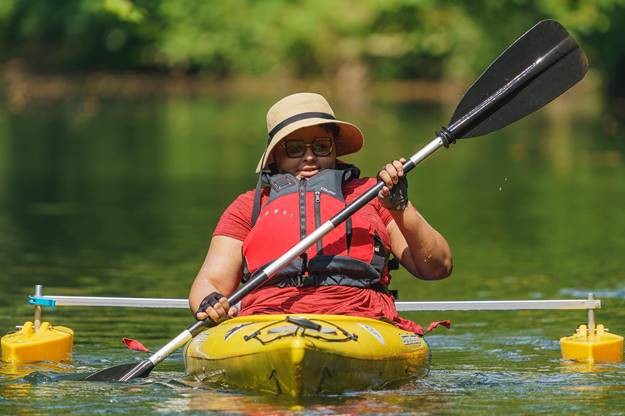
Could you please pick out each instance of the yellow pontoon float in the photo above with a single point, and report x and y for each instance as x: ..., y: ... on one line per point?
x: 592, y: 343
x: 38, y: 341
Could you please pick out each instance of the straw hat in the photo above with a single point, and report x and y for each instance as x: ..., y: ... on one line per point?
x: 306, y: 109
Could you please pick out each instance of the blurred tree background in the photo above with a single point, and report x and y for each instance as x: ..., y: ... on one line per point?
x: 358, y: 42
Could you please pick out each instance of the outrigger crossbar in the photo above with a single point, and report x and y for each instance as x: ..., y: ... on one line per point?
x: 53, y: 301
x: 490, y: 305
x: 500, y: 305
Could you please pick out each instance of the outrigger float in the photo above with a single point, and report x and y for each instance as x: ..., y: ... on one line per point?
x: 304, y: 354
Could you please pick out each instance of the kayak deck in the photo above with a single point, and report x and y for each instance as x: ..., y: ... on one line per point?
x: 305, y: 354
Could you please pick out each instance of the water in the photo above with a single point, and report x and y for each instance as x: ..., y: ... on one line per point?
x: 119, y: 198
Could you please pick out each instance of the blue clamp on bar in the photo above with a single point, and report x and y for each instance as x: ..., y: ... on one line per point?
x: 36, y: 300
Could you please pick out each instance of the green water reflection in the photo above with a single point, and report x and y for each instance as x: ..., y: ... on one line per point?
x: 119, y: 198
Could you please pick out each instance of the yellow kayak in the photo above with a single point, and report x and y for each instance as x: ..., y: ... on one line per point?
x: 305, y: 354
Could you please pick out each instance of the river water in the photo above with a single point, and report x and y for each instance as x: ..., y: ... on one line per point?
x: 104, y: 197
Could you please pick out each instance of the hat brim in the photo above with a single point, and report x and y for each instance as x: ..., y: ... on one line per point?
x: 349, y: 140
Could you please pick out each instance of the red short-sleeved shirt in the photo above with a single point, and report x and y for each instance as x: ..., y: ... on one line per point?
x: 236, y: 222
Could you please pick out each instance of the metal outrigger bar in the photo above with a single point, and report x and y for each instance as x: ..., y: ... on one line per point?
x: 478, y: 305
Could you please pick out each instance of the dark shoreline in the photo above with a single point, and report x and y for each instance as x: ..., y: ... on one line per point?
x: 22, y: 87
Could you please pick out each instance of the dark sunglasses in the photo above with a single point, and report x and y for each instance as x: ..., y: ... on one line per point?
x: 295, y: 148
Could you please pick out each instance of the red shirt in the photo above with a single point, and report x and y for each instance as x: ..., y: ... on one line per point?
x: 236, y: 222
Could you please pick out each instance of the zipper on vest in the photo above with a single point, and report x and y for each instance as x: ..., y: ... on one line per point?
x: 302, y: 208
x: 301, y: 189
x: 318, y: 220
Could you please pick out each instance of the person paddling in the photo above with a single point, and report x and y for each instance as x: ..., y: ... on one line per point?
x: 301, y: 185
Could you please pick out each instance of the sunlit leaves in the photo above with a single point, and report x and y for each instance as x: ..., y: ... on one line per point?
x: 387, y: 39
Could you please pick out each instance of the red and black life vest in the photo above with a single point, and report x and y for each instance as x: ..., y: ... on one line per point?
x: 350, y: 255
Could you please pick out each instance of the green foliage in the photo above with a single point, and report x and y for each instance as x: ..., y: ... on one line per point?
x: 391, y: 39
x: 125, y: 10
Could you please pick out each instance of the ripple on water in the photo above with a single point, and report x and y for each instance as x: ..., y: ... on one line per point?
x: 598, y: 293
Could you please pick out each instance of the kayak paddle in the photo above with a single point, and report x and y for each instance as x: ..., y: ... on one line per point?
x: 535, y: 69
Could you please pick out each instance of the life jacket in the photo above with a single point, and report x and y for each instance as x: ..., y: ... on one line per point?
x: 352, y: 254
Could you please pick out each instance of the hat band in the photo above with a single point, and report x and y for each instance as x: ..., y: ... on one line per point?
x: 298, y: 117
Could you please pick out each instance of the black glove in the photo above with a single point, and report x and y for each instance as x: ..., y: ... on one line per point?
x: 398, y: 199
x: 210, y: 300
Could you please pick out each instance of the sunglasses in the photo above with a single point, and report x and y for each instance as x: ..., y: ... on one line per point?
x: 321, y: 146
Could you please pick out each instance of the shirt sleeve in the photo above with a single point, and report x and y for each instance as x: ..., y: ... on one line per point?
x: 236, y: 221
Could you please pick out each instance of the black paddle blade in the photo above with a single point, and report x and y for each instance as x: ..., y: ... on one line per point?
x: 124, y: 372
x: 538, y: 67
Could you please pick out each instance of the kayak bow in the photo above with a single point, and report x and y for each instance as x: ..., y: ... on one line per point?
x: 305, y: 354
